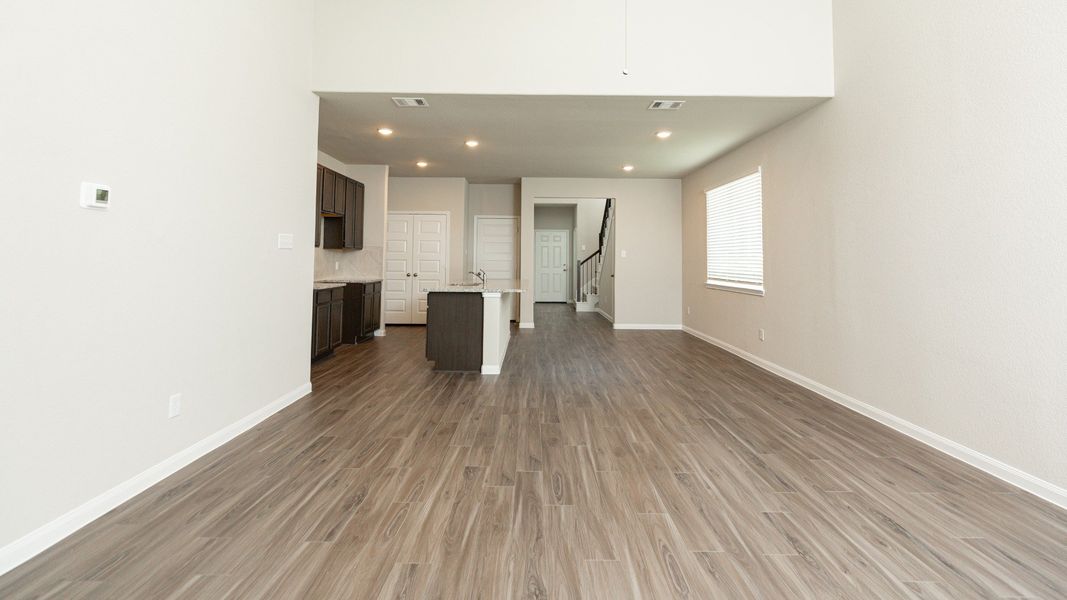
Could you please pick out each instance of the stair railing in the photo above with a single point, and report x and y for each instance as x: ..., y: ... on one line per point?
x: 589, y: 269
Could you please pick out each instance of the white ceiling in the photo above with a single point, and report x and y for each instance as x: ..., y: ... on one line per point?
x: 542, y: 136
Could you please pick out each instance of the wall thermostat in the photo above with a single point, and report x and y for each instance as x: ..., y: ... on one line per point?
x: 95, y: 195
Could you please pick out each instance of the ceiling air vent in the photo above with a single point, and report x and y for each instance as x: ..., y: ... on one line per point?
x: 411, y: 102
x: 666, y: 104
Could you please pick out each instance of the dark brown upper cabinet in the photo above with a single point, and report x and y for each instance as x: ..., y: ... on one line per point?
x: 339, y: 182
x: 353, y: 215
x: 340, y: 202
x: 327, y: 201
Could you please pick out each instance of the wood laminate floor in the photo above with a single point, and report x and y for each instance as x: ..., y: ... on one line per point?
x: 601, y: 464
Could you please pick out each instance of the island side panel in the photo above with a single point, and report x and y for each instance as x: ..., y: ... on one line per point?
x: 454, y: 331
x: 497, y: 332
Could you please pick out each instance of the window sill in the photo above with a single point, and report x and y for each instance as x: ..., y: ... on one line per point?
x: 741, y: 288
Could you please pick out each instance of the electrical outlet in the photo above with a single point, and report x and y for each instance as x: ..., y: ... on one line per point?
x: 175, y: 407
x: 336, y: 265
x: 762, y: 335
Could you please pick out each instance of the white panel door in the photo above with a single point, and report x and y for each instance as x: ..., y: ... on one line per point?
x: 399, y: 280
x: 551, y: 256
x: 430, y: 259
x: 496, y: 247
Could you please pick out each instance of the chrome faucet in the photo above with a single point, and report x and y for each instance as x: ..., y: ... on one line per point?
x: 480, y: 275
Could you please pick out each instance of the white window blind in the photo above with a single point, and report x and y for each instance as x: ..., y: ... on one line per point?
x: 735, y: 235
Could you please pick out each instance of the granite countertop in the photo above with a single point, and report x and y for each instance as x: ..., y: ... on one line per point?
x: 493, y: 285
x: 350, y: 280
x: 327, y: 285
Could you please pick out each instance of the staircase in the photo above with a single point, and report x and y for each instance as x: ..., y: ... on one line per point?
x: 589, y: 269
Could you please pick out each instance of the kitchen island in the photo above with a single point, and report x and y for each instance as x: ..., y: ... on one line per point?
x: 468, y: 325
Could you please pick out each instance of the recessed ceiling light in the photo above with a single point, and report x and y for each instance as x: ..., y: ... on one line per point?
x: 422, y: 164
x: 472, y: 143
x: 385, y: 131
x: 628, y: 168
x: 663, y: 134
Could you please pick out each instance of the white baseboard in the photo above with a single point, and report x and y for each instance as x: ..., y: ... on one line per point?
x: 649, y: 326
x: 43, y: 537
x: 585, y: 307
x: 610, y: 318
x: 490, y: 369
x: 526, y: 325
x: 1005, y: 472
x: 379, y: 332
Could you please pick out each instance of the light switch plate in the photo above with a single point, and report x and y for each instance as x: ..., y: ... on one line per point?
x: 285, y: 241
x: 174, y: 407
x: 623, y: 254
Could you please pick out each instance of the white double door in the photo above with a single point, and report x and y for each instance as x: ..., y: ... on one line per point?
x: 416, y: 259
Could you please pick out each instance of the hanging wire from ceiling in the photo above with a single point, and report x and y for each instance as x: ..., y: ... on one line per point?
x: 625, y: 37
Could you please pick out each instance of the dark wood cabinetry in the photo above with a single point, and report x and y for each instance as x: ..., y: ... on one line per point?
x: 454, y: 323
x: 327, y: 321
x: 353, y: 219
x: 363, y: 311
x: 326, y: 198
x: 340, y: 202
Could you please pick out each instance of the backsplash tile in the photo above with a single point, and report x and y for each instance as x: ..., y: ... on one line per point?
x: 350, y: 263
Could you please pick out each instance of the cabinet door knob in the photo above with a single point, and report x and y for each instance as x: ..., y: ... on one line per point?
x: 409, y: 274
x: 416, y: 274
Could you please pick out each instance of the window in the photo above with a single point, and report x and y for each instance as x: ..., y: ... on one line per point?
x: 735, y: 235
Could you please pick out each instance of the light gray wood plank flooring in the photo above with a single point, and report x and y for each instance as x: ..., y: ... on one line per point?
x: 601, y: 464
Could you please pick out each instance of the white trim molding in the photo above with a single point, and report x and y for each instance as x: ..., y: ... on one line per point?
x: 648, y: 326
x: 526, y: 325
x: 610, y: 318
x: 1005, y: 472
x: 43, y: 537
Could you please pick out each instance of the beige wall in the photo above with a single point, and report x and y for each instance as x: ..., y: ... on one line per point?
x: 439, y: 194
x: 205, y: 129
x: 647, y: 226
x: 679, y: 47
x: 554, y: 217
x: 914, y: 227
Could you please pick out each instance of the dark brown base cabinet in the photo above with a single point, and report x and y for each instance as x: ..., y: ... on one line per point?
x: 363, y: 311
x: 327, y: 323
x: 454, y: 331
